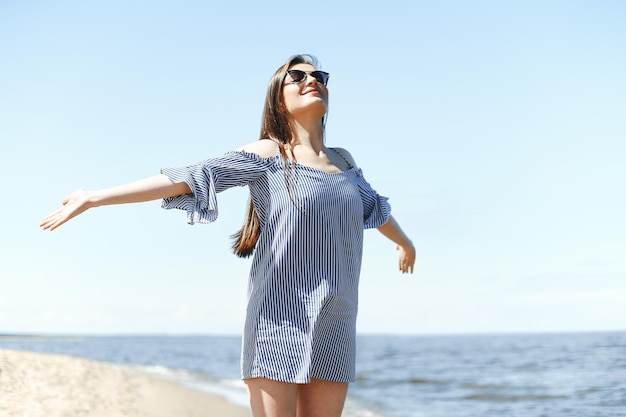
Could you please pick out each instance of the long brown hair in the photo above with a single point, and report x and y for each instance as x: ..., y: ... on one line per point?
x: 275, y: 125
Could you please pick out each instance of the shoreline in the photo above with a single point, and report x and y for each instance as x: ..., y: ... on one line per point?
x: 51, y: 385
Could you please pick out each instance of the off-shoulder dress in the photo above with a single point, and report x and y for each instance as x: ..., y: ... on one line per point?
x: 303, y: 282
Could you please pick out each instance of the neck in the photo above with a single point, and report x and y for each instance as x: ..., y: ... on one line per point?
x: 308, y: 133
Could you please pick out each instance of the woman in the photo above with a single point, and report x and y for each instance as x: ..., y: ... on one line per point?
x: 308, y: 207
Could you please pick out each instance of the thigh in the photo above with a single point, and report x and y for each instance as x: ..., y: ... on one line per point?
x: 271, y: 398
x: 321, y: 398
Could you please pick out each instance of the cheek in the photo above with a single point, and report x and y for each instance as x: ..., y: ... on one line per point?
x: 324, y: 92
x: 290, y: 96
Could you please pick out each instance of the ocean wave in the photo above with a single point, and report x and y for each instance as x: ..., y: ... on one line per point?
x: 512, y: 398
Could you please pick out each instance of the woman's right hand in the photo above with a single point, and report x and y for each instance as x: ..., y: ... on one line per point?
x: 73, y: 205
x: 151, y: 188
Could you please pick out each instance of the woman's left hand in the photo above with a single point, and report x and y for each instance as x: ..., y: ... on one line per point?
x: 406, y: 258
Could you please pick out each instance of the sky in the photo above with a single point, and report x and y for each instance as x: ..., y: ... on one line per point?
x: 496, y: 129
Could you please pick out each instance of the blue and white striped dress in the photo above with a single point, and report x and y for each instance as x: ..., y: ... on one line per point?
x: 303, y: 284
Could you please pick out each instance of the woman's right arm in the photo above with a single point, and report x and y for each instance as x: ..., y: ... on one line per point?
x: 152, y: 188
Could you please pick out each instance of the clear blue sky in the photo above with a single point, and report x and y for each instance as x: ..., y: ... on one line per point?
x: 497, y: 130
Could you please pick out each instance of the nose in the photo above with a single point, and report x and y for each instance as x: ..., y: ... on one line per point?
x: 310, y: 79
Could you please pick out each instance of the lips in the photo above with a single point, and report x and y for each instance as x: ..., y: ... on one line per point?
x: 311, y: 90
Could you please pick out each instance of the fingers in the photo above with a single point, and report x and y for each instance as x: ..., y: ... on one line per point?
x: 73, y: 205
x: 56, y: 219
x: 406, y: 268
x: 48, y: 221
x: 406, y: 259
x: 53, y: 220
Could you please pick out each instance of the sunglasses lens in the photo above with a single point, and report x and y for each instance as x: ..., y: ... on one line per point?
x: 297, y: 75
x: 320, y: 76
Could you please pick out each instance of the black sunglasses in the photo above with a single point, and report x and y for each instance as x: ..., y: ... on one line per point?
x: 298, y: 76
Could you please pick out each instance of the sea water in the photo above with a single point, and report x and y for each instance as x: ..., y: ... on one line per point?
x: 520, y: 375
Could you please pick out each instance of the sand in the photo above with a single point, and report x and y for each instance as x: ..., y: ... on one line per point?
x: 38, y: 385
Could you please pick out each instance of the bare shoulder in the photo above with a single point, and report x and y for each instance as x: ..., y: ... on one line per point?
x: 346, y: 155
x: 263, y: 148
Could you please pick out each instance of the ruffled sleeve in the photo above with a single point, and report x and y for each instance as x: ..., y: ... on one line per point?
x: 376, y: 208
x: 210, y: 177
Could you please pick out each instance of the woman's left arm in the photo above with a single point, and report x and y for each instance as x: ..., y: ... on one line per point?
x: 392, y: 230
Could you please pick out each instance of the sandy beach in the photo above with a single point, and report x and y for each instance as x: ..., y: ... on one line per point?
x: 38, y: 385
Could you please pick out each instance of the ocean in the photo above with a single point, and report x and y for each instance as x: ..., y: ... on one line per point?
x: 520, y: 375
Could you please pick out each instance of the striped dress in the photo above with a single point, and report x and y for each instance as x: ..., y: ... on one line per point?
x: 303, y: 283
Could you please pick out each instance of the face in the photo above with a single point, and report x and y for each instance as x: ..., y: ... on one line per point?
x: 307, y: 96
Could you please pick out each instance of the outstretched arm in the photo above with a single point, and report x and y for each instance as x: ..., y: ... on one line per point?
x: 152, y: 188
x: 392, y: 230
